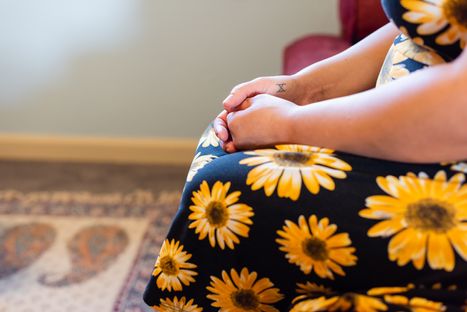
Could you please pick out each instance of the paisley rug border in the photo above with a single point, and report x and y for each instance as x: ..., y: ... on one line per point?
x: 139, y: 203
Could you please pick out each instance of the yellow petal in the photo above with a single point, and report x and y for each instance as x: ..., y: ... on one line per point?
x: 310, y: 181
x: 325, y: 181
x: 271, y: 182
x: 448, y: 37
x: 339, y: 240
x: 459, y: 242
x: 290, y: 184
x: 440, y: 253
x: 386, y: 228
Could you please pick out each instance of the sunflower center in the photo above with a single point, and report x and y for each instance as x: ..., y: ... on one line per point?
x: 217, y: 213
x: 349, y: 299
x: 431, y: 214
x: 245, y: 299
x: 456, y: 11
x: 291, y: 159
x: 168, y: 266
x: 315, y: 249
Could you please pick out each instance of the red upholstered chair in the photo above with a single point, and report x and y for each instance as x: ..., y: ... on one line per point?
x: 358, y: 19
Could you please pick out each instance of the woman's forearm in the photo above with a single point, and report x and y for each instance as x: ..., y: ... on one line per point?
x: 419, y: 118
x: 354, y: 70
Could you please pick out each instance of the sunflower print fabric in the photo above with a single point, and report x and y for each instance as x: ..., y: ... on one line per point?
x: 217, y: 214
x: 313, y: 245
x: 432, y: 32
x: 172, y: 268
x: 302, y: 228
x: 288, y: 166
x: 428, y: 218
x: 243, y: 292
x: 438, y: 25
x: 168, y: 305
x: 318, y: 298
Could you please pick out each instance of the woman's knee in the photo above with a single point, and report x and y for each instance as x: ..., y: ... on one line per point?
x: 209, y: 138
x: 208, y: 150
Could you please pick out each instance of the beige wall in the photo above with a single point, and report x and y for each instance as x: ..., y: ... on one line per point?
x: 155, y: 68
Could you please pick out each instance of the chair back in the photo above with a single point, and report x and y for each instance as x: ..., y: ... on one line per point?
x: 359, y: 18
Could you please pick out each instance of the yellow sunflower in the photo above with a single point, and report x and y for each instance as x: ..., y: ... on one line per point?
x: 434, y: 16
x: 427, y: 216
x: 209, y: 138
x: 313, y: 246
x: 198, y: 163
x: 324, y: 299
x: 346, y: 302
x: 310, y: 290
x: 177, y: 305
x: 415, y: 304
x: 392, y: 295
x: 217, y: 215
x: 284, y: 168
x: 243, y: 292
x: 172, y: 268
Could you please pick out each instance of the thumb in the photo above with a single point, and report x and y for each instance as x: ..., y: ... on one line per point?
x: 243, y: 91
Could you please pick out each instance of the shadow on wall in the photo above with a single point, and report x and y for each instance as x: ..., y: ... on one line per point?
x: 38, y: 39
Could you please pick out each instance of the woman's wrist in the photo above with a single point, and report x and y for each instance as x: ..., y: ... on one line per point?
x: 314, y: 85
x: 288, y: 131
x: 290, y: 88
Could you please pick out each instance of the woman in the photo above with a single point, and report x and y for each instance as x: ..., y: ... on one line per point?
x: 380, y: 225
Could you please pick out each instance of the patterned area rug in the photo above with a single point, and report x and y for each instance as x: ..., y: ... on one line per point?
x: 77, y: 251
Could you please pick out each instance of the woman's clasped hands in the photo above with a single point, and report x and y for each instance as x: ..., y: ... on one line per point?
x: 257, y: 113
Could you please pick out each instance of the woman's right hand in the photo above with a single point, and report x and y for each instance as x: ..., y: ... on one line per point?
x: 285, y: 87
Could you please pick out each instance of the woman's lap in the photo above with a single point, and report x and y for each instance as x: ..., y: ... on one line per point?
x: 269, y: 219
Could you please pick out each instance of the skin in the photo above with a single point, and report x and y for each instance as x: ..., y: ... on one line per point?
x: 419, y: 118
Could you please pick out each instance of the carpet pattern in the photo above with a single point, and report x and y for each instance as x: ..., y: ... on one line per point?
x: 79, y: 251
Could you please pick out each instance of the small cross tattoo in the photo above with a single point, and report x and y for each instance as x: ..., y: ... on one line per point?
x: 281, y: 87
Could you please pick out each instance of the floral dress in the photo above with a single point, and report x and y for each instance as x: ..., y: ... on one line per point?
x: 303, y: 228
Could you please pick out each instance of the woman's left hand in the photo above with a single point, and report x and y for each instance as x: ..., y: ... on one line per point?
x: 260, y: 121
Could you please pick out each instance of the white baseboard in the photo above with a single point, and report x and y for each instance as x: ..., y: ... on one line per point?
x: 90, y: 149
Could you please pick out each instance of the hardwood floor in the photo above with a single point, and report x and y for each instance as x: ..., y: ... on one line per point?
x: 29, y: 176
